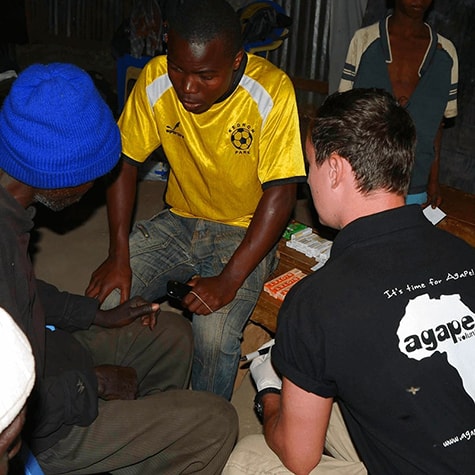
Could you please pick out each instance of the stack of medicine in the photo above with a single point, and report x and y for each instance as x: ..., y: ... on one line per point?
x: 312, y: 245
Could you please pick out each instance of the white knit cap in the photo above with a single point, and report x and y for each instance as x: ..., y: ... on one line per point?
x: 17, y: 370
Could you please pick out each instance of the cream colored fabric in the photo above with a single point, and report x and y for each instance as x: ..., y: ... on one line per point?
x: 17, y: 370
x: 252, y: 456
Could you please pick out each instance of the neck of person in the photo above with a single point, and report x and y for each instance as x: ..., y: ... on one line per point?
x: 401, y: 24
x: 24, y: 194
x: 371, y: 203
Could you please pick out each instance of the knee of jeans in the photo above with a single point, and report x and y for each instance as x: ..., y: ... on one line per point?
x: 207, y: 330
x: 231, y: 342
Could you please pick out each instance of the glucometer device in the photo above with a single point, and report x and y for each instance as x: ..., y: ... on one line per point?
x: 177, y: 290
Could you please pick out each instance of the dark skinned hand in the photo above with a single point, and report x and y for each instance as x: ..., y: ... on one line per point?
x: 111, y: 274
x: 209, y: 294
x: 116, y: 382
x: 127, y: 312
x: 434, y: 197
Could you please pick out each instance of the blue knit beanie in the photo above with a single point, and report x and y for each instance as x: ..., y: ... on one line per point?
x: 56, y: 131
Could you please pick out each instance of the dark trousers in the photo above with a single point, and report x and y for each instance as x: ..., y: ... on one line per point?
x: 168, y: 429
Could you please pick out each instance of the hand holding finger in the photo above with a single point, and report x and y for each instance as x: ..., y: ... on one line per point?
x: 150, y: 320
x: 126, y: 313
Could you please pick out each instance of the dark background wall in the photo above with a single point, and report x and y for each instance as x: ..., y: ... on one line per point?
x: 454, y: 19
x: 306, y: 53
x: 87, y: 27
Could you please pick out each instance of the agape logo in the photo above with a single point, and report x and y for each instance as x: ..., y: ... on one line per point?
x: 429, y: 338
x: 430, y: 325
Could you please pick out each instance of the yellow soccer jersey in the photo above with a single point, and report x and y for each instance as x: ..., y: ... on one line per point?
x: 222, y: 159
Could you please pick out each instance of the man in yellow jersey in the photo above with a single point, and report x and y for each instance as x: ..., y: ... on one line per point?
x: 228, y: 125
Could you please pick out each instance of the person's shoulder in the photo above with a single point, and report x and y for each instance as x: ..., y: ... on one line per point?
x: 267, y: 74
x: 319, y: 282
x: 158, y: 62
x: 371, y: 31
x: 453, y: 243
x: 156, y: 67
x: 260, y: 68
x: 363, y: 38
x: 447, y: 45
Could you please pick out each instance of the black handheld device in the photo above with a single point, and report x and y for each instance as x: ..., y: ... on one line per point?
x: 177, y: 290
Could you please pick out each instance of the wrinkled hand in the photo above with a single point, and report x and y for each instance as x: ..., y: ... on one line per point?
x: 111, y: 274
x: 263, y: 373
x: 127, y: 312
x: 116, y: 382
x: 208, y: 295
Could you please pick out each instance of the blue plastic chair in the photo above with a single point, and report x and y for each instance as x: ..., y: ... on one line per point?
x: 123, y: 63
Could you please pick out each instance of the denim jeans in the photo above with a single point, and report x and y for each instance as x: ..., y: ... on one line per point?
x: 169, y: 247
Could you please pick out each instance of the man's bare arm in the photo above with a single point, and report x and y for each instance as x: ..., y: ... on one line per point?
x: 271, y: 217
x: 295, y: 425
x: 434, y: 198
x: 115, y: 271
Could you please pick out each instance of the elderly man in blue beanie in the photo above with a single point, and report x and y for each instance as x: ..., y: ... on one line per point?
x: 110, y: 392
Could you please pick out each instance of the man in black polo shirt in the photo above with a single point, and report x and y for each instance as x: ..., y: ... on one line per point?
x: 386, y: 329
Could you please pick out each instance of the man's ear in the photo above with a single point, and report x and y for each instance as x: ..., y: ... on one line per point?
x: 337, y: 168
x: 238, y: 59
